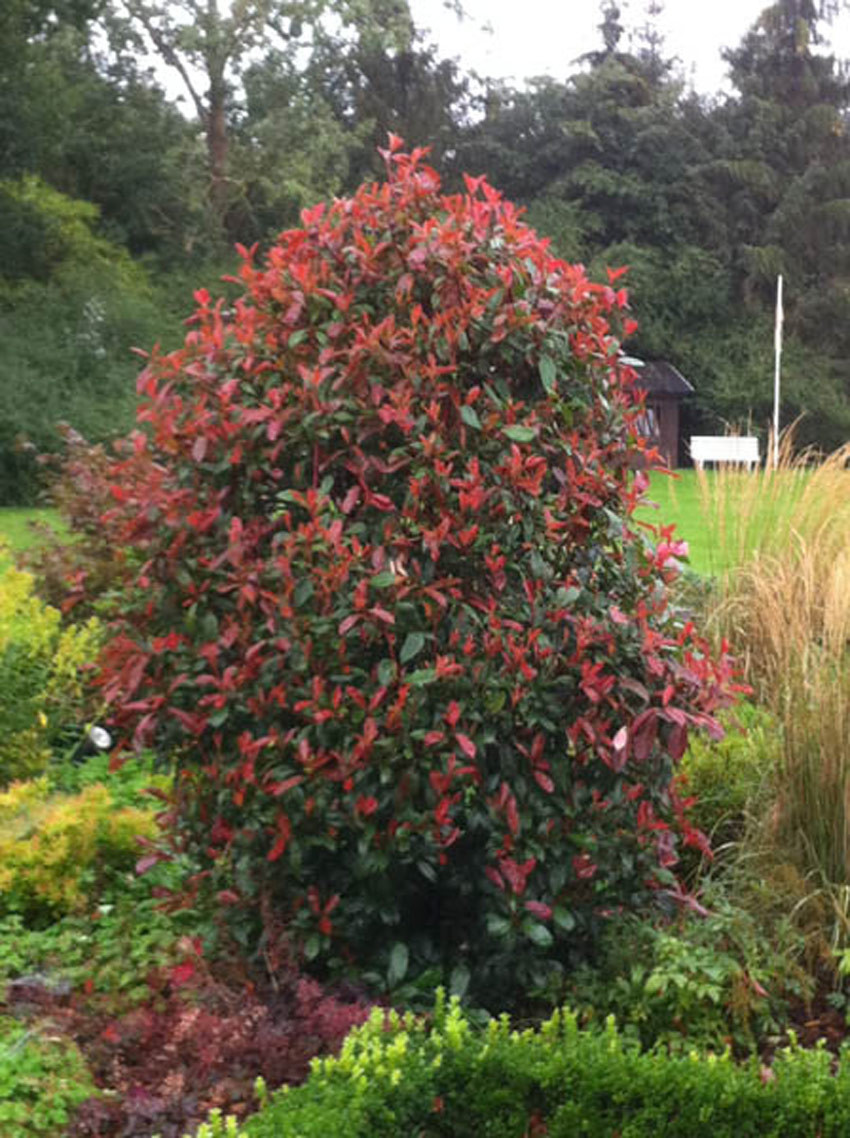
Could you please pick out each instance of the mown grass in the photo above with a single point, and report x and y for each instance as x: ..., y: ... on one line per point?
x: 17, y: 532
x: 673, y: 499
x: 725, y: 515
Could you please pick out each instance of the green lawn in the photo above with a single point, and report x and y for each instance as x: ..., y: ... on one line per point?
x: 676, y: 501
x: 756, y: 505
x: 17, y: 533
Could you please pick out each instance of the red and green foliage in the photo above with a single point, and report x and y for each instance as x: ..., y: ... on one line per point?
x: 76, y: 573
x: 413, y: 659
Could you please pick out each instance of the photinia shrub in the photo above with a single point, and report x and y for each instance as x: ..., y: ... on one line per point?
x: 413, y: 660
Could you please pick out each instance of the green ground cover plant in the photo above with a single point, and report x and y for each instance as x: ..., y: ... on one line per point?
x: 43, y: 1078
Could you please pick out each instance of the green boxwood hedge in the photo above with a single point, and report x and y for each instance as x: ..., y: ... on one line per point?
x: 396, y: 1077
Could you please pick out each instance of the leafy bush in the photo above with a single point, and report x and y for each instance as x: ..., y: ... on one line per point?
x: 42, y: 1081
x: 80, y: 568
x: 734, y: 776
x: 716, y: 980
x: 57, y: 853
x: 72, y: 305
x: 413, y: 659
x: 400, y: 1077
x: 129, y: 785
x: 42, y: 677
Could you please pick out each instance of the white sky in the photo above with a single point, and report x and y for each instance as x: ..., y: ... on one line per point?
x: 537, y: 37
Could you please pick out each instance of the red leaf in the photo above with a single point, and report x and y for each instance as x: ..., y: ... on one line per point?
x: 757, y: 988
x: 453, y: 714
x: 199, y: 448
x: 584, y: 867
x: 516, y: 874
x: 538, y: 909
x: 677, y: 741
x: 382, y: 614
x: 181, y: 974
x: 644, y: 734
x: 496, y: 877
x: 513, y: 816
x: 278, y: 788
x: 466, y: 745
x: 284, y: 827
x: 544, y: 781
x: 351, y: 499
x: 147, y: 862
x: 620, y: 752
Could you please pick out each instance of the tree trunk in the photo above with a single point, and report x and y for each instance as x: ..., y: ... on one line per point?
x: 217, y: 146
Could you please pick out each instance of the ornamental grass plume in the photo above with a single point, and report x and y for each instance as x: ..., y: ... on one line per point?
x: 785, y: 599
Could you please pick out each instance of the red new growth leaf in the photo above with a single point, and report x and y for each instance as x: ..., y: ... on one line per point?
x: 466, y: 745
x: 538, y: 909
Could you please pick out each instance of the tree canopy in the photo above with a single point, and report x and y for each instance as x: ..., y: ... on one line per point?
x: 285, y: 102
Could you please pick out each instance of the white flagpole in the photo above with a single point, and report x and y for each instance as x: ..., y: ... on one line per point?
x: 777, y: 347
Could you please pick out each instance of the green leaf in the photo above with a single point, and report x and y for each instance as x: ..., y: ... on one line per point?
x: 427, y: 870
x: 567, y: 596
x: 548, y: 374
x: 398, y: 964
x: 413, y: 645
x: 311, y: 948
x: 459, y: 981
x: 496, y: 700
x: 421, y: 677
x: 381, y: 580
x: 209, y: 626
x: 303, y: 592
x: 470, y: 416
x: 520, y: 434
x: 498, y: 926
x: 386, y: 672
x: 563, y: 919
x: 538, y: 934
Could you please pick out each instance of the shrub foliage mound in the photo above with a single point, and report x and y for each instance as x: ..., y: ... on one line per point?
x: 416, y: 666
x: 396, y: 1077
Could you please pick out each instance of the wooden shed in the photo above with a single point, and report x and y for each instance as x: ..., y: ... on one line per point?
x: 665, y: 389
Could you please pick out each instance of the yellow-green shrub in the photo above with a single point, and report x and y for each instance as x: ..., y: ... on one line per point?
x: 56, y: 854
x: 42, y: 676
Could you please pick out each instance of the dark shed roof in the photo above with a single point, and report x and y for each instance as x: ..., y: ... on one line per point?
x: 660, y: 378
